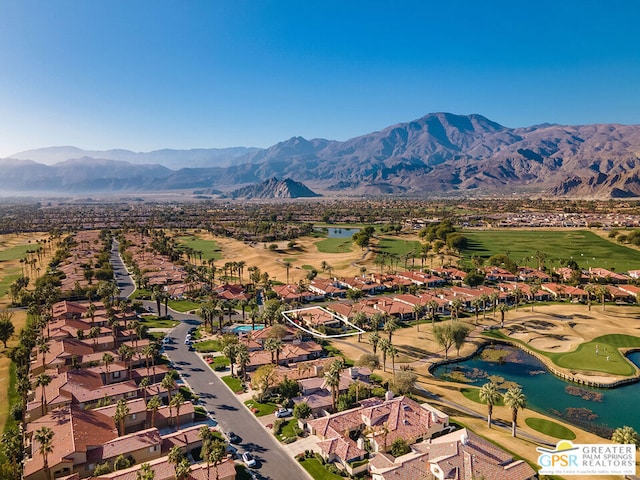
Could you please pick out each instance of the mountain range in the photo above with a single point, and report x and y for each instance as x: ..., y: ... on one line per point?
x: 440, y: 154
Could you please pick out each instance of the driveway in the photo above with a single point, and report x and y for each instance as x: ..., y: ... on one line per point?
x: 222, y: 404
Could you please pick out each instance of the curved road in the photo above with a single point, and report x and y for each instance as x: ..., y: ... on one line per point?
x: 215, y: 397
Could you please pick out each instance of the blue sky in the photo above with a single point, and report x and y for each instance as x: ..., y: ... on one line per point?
x: 144, y: 75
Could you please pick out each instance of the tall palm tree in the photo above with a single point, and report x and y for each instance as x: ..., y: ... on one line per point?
x: 177, y: 402
x: 42, y: 381
x: 107, y: 359
x: 359, y: 320
x: 390, y: 326
x: 503, y: 309
x: 44, y: 437
x: 332, y: 380
x: 153, y: 405
x: 515, y: 400
x: 374, y: 340
x: 490, y: 395
x: 384, y: 345
x: 122, y: 410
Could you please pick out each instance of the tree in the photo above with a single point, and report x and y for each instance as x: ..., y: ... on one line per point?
x: 625, y: 435
x: 145, y: 472
x: 302, y: 410
x: 176, y: 402
x: 459, y: 332
x: 404, y: 382
x: 122, y: 410
x: 490, y: 395
x: 390, y: 326
x: 374, y: 340
x: 44, y: 439
x: 42, y: 381
x: 153, y: 405
x: 264, y: 378
x: 503, y: 309
x: 7, y: 329
x: 515, y: 400
x: 332, y: 380
x: 359, y: 320
x: 400, y: 447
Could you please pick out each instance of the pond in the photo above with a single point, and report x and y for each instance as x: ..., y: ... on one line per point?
x: 597, y: 410
x: 339, y: 232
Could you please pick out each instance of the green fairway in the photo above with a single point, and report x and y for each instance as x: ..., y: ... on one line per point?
x: 209, y: 248
x: 586, y: 248
x: 334, y: 245
x: 17, y: 252
x: 6, y: 282
x: 550, y: 428
x: 584, y: 357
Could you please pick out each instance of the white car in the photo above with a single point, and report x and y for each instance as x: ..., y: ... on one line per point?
x: 284, y: 412
x: 248, y: 459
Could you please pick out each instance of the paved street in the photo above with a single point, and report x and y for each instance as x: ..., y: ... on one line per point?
x: 230, y: 413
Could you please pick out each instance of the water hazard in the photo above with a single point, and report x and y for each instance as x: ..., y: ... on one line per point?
x: 596, y: 410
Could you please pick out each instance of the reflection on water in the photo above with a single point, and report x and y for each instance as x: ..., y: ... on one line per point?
x: 596, y: 410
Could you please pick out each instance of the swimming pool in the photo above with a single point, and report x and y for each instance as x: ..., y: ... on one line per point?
x: 246, y: 328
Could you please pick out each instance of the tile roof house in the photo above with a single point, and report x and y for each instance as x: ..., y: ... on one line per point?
x: 378, y: 422
x: 460, y: 455
x: 77, y: 432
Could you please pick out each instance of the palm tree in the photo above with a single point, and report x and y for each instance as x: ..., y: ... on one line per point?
x: 515, y: 400
x: 145, y: 472
x: 433, y: 308
x: 418, y: 311
x: 144, y: 384
x: 177, y: 402
x: 359, y: 319
x: 42, y: 381
x: 625, y: 435
x: 153, y: 405
x: 490, y: 395
x: 332, y: 380
x: 44, y: 437
x: 374, y: 340
x: 122, y: 410
x: 107, y: 359
x: 390, y: 326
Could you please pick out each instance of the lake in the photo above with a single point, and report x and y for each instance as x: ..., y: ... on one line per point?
x: 597, y: 410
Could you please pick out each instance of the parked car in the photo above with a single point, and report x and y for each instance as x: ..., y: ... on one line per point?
x: 232, y: 437
x: 248, y: 459
x: 284, y: 412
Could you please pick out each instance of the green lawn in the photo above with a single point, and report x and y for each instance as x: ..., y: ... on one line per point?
x: 335, y: 245
x: 317, y: 470
x: 208, y: 346
x: 17, y: 252
x: 550, y: 428
x: 7, y: 281
x: 183, y: 305
x: 398, y: 246
x: 233, y: 383
x: 584, y: 357
x: 585, y: 247
x: 152, y: 321
x: 473, y: 394
x: 262, y: 408
x: 287, y: 430
x: 209, y: 248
